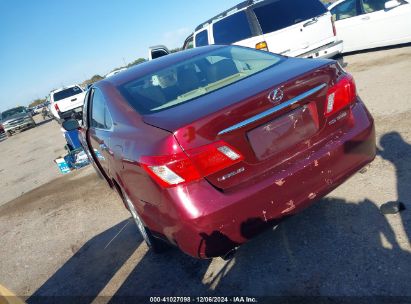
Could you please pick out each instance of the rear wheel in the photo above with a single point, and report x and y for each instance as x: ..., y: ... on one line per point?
x: 154, y: 244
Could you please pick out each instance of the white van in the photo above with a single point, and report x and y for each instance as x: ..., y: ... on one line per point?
x: 296, y: 28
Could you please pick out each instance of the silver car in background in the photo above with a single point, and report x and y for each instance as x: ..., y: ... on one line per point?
x: 16, y: 119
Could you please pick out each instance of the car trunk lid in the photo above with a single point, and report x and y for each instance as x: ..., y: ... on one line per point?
x: 268, y: 118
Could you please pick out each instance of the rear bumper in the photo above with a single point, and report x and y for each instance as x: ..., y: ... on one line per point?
x: 73, y: 113
x: 326, y: 51
x: 210, y: 223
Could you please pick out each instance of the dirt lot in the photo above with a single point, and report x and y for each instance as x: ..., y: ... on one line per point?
x: 26, y: 160
x: 72, y: 236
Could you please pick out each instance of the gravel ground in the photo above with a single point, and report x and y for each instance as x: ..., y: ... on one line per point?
x: 72, y: 236
x: 26, y: 159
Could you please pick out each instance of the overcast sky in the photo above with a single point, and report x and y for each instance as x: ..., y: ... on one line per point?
x: 45, y: 44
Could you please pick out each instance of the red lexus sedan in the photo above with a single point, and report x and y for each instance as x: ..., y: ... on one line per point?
x: 210, y: 146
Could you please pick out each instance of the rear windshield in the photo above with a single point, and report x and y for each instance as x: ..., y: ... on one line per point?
x: 67, y: 93
x: 276, y: 15
x: 12, y: 112
x: 232, y: 29
x: 195, y: 77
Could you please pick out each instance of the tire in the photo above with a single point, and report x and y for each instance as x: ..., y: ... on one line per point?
x: 155, y: 245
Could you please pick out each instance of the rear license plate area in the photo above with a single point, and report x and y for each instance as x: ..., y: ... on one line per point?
x: 284, y: 132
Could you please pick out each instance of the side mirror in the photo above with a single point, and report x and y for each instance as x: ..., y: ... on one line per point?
x: 70, y: 125
x: 391, y: 4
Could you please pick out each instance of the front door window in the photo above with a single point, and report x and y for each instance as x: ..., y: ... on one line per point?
x: 346, y: 9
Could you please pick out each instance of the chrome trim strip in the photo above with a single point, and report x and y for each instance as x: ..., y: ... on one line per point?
x: 273, y: 110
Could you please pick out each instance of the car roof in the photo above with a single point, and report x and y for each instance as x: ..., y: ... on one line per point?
x: 233, y: 10
x: 64, y: 88
x: 14, y: 108
x: 241, y: 6
x: 152, y: 66
x: 114, y: 72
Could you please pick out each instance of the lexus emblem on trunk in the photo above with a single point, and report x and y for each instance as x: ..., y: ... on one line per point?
x: 276, y: 96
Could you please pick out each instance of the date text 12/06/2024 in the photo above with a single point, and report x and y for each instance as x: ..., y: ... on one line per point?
x: 203, y: 300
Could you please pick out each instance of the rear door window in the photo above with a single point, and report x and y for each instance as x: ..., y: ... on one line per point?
x: 346, y: 9
x: 276, y: 15
x: 108, y: 121
x: 232, y: 29
x: 202, y: 38
x: 85, y: 108
x: 100, y: 118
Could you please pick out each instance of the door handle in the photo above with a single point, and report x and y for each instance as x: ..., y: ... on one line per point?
x: 365, y: 18
x: 74, y: 99
x: 314, y: 20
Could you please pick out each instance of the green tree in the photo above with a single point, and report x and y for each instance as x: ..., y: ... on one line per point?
x: 37, y: 102
x: 135, y: 62
x: 175, y: 50
x: 93, y: 79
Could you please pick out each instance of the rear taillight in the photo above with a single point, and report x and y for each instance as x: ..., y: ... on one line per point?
x: 190, y: 165
x: 262, y: 46
x: 340, y: 95
x: 56, y: 106
x: 333, y: 23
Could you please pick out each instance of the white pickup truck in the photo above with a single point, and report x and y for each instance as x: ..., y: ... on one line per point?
x: 67, y: 102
